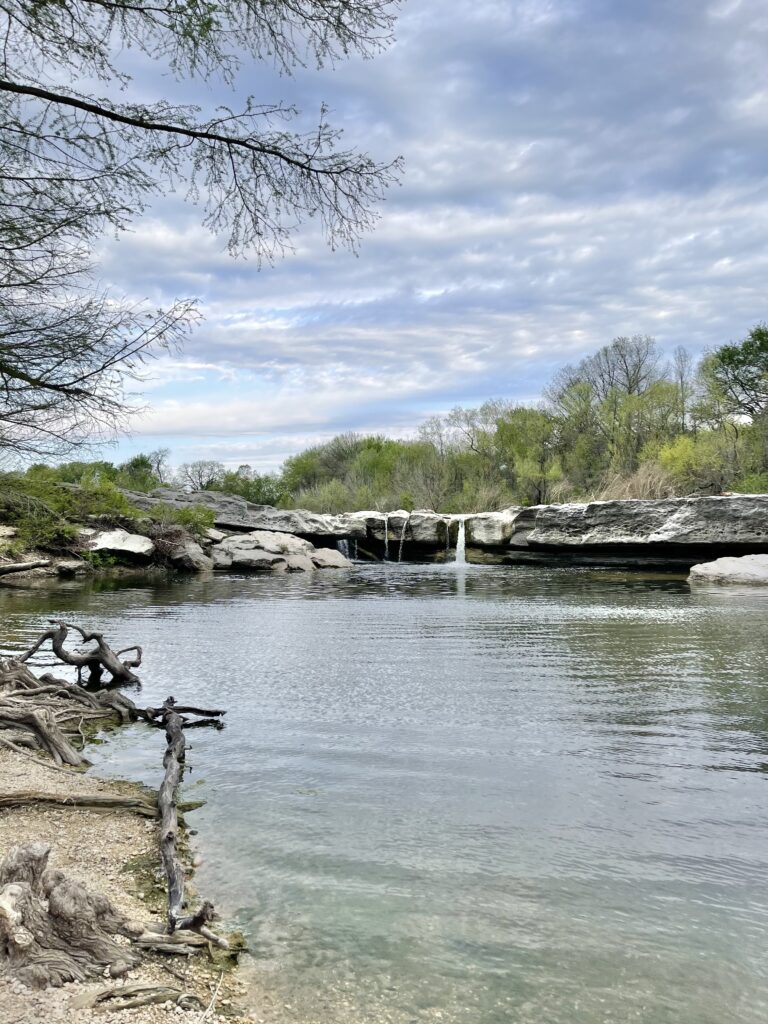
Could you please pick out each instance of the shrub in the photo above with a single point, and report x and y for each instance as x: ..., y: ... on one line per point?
x: 195, y: 519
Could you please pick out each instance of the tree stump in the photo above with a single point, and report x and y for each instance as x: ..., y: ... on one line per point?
x: 52, y: 929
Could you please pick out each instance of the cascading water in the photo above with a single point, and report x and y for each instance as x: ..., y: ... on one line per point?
x: 386, y: 536
x: 402, y: 538
x: 343, y: 546
x: 461, y: 544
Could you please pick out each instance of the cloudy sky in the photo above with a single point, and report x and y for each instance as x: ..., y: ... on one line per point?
x: 574, y: 170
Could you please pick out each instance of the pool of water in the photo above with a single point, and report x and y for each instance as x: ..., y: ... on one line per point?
x: 487, y: 795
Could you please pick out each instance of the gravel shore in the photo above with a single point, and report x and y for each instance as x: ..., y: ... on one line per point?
x: 113, y: 852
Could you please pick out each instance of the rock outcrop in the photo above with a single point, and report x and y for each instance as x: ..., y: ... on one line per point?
x: 746, y: 569
x: 684, y: 530
x: 234, y: 513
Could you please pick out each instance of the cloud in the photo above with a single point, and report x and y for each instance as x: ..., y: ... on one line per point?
x: 575, y: 169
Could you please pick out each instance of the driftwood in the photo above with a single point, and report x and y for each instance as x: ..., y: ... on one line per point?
x: 128, y: 997
x: 52, y: 929
x: 89, y: 801
x: 10, y: 567
x: 167, y: 798
x: 97, y: 661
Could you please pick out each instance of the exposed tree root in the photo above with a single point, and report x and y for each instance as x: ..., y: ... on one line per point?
x: 131, y: 996
x: 97, y: 661
x: 52, y: 930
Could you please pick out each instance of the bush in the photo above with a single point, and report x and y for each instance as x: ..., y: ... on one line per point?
x: 754, y: 483
x: 194, y: 520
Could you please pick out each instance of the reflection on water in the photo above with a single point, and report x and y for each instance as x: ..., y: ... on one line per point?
x: 485, y: 795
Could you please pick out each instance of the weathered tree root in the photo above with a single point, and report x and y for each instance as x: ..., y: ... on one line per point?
x: 52, y: 929
x: 69, y: 936
x: 97, y: 661
x: 173, y: 762
x: 42, y: 722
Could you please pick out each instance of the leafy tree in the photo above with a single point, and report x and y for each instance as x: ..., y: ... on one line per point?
x: 528, y: 437
x: 138, y: 474
x: 738, y: 374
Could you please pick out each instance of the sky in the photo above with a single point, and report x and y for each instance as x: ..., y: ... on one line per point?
x: 574, y: 170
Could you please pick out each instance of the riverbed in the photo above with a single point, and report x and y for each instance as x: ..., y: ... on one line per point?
x: 468, y: 795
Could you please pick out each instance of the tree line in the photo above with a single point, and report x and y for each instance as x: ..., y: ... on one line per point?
x: 622, y: 423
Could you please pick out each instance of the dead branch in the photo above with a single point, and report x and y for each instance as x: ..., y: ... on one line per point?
x: 91, y: 801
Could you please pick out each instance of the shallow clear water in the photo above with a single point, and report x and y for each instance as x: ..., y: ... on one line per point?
x: 492, y: 795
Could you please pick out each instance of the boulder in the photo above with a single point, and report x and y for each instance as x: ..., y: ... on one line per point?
x: 268, y: 540
x: 746, y: 569
x: 215, y: 536
x: 128, y: 546
x: 190, y: 557
x: 258, y: 561
x: 329, y: 558
x: 258, y: 550
x: 490, y: 529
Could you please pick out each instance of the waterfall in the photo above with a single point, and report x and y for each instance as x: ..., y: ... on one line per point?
x: 461, y: 543
x: 402, y: 538
x: 354, y: 550
x: 343, y: 546
x: 386, y: 536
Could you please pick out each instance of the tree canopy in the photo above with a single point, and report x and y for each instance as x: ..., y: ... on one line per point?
x: 75, y: 162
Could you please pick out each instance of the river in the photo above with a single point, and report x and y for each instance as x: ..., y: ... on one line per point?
x: 484, y: 795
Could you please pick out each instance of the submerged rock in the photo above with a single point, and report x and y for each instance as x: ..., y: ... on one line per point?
x: 746, y: 569
x: 329, y: 558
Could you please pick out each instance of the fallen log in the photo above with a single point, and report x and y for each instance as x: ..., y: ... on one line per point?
x: 167, y: 798
x: 10, y: 567
x: 92, y: 801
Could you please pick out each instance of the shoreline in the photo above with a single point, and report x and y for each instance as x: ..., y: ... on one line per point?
x: 113, y: 852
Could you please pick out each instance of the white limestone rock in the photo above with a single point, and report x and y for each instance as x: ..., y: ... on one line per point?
x: 131, y: 546
x: 745, y: 569
x: 490, y: 529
